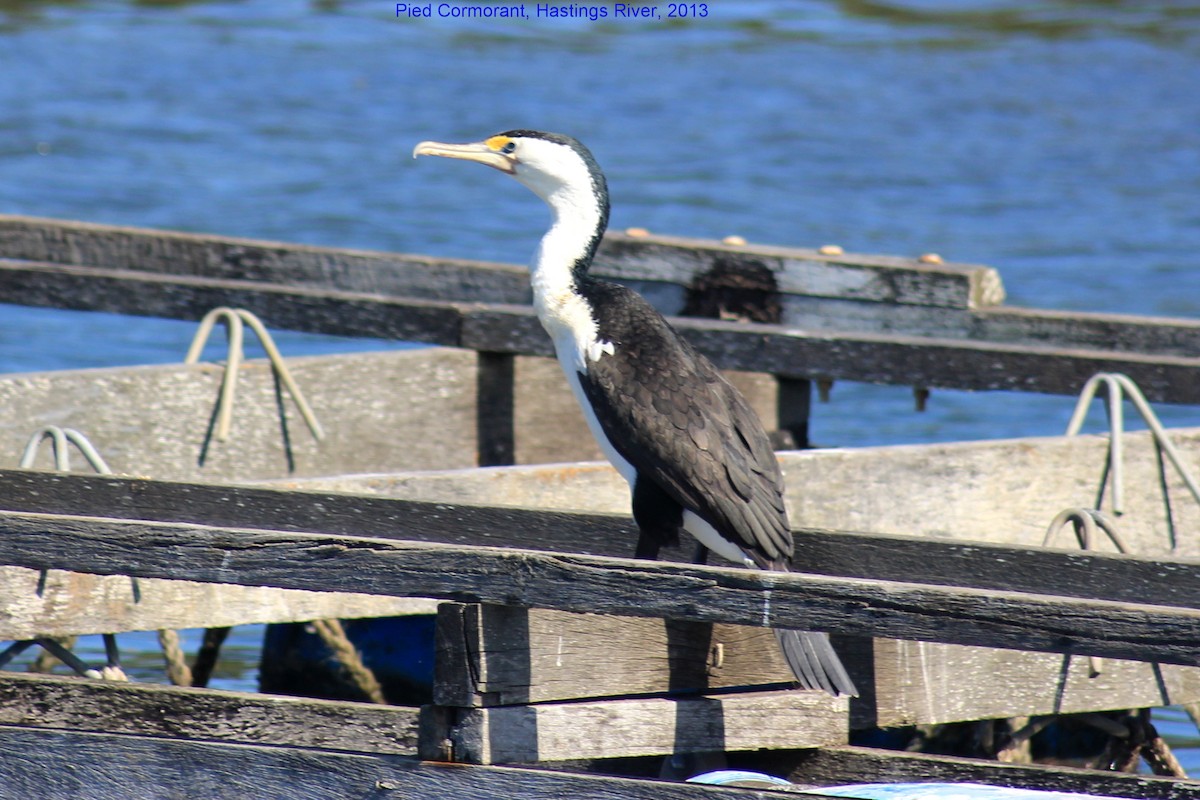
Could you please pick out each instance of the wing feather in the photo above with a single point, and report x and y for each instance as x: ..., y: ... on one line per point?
x: 669, y: 412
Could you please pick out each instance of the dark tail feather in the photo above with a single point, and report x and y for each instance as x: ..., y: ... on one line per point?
x: 814, y: 662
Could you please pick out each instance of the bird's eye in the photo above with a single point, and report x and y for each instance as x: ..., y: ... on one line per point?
x: 508, y: 148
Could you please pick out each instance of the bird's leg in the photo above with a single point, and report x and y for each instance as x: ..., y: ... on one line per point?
x: 648, y: 545
x: 658, y: 519
x: 701, y: 555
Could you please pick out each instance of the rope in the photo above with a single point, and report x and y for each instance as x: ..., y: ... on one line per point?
x: 235, y: 319
x: 334, y: 636
x: 1143, y: 742
x: 177, y: 669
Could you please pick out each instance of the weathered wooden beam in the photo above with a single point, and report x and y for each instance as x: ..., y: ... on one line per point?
x: 62, y: 764
x: 780, y: 350
x: 875, y: 279
x: 496, y: 655
x: 627, y: 587
x: 646, y: 726
x: 86, y: 244
x: 75, y: 704
x: 880, y: 279
x: 500, y: 655
x: 284, y: 509
x: 888, y: 557
x: 879, y: 294
x: 829, y: 766
x: 999, y: 491
x: 378, y: 410
x: 59, y: 603
x: 923, y: 683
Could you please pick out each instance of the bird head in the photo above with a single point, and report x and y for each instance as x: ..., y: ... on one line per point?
x: 557, y: 168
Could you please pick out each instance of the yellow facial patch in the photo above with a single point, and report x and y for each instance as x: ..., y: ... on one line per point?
x: 497, y: 142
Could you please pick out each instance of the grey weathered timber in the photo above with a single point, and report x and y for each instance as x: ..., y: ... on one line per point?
x: 647, y: 726
x: 283, y: 508
x: 875, y: 279
x: 624, y: 587
x: 377, y: 410
x: 829, y: 766
x: 922, y: 683
x: 61, y: 764
x: 493, y: 655
x: 73, y: 704
x: 978, y: 564
x: 876, y: 357
x: 881, y: 279
x: 880, y: 294
x: 499, y: 655
x: 88, y: 244
x: 1002, y: 491
x: 63, y: 603
x: 411, y: 409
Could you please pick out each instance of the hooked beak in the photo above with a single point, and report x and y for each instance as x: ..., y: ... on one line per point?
x: 478, y: 151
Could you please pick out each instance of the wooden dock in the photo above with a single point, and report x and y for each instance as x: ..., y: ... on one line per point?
x: 460, y: 480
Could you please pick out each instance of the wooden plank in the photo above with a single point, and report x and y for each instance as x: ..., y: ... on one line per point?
x: 309, y: 511
x: 672, y: 259
x: 869, y: 556
x: 38, y: 763
x: 74, y: 704
x: 1000, y: 491
x: 499, y: 655
x: 624, y: 587
x: 829, y: 766
x: 846, y: 292
x: 493, y: 655
x: 922, y: 683
x: 879, y: 358
x: 61, y: 603
x: 378, y: 410
x: 1088, y: 330
x: 779, y: 350
x: 877, y: 279
x: 622, y: 728
x: 228, y: 258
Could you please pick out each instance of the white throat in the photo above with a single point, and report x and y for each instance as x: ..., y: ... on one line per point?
x: 563, y: 312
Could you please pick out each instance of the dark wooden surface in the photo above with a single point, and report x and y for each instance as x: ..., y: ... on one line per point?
x: 892, y: 358
x: 884, y: 294
x: 626, y: 587
x: 872, y: 556
x: 58, y: 764
x: 160, y: 252
x: 74, y: 704
x: 835, y: 765
x: 881, y: 279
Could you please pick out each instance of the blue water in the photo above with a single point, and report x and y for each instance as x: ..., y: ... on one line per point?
x: 1058, y: 141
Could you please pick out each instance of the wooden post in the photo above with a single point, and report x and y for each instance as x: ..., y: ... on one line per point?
x: 523, y: 685
x: 494, y: 408
x: 794, y: 408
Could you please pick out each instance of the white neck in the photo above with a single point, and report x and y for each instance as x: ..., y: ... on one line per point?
x: 563, y: 312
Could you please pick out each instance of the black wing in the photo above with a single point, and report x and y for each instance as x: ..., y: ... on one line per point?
x: 670, y: 413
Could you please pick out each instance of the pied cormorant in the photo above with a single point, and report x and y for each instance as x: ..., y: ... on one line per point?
x: 693, y: 451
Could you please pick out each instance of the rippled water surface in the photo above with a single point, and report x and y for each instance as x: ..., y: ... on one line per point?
x: 1057, y: 141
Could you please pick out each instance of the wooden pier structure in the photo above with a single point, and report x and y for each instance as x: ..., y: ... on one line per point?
x: 459, y: 480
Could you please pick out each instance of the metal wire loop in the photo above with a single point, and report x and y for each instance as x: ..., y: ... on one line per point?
x: 235, y: 319
x: 60, y: 438
x: 1120, y: 386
